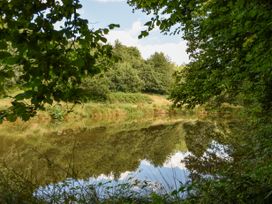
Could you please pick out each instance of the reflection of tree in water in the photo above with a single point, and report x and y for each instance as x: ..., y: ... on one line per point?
x: 198, y: 136
x: 244, y: 176
x: 210, y: 139
x: 90, y: 152
x: 207, y: 140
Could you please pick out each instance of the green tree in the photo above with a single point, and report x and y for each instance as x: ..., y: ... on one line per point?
x: 153, y: 75
x: 94, y: 88
x: 230, y: 45
x: 52, y: 58
x: 157, y: 74
x: 126, y: 54
x: 123, y: 72
x: 150, y: 79
x: 124, y: 78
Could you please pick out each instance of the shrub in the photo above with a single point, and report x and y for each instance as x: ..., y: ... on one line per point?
x: 95, y: 88
x: 157, y: 74
x: 56, y: 112
x: 124, y: 78
x: 120, y: 97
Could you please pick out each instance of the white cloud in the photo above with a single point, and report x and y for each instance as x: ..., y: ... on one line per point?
x: 136, y: 28
x: 153, y: 43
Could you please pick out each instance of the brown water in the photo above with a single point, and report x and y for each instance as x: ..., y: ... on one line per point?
x: 148, y: 151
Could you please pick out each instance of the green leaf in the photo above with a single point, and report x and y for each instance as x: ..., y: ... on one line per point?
x: 25, y: 95
x: 112, y: 26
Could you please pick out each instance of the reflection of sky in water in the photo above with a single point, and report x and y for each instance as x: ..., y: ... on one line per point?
x: 146, y: 179
x: 170, y: 175
x: 143, y: 181
x: 220, y: 150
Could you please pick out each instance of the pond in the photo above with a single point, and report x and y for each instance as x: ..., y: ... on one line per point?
x: 143, y: 157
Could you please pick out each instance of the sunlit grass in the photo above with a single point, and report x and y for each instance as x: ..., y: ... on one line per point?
x: 60, y: 116
x: 134, y: 98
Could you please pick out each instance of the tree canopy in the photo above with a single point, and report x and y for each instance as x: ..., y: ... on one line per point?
x: 127, y: 71
x: 49, y: 48
x: 230, y: 46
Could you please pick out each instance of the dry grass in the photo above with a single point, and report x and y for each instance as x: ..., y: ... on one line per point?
x: 5, y: 103
x: 86, y: 115
x: 159, y: 100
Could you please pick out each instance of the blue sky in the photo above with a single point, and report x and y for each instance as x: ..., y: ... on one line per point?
x: 101, y: 13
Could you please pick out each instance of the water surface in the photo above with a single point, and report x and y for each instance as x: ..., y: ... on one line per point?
x: 112, y: 154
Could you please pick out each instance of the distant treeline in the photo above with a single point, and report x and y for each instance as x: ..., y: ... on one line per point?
x: 127, y: 71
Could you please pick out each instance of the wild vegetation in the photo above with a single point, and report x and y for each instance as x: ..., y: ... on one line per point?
x: 230, y: 46
x: 229, y: 43
x: 128, y: 72
x: 121, y: 89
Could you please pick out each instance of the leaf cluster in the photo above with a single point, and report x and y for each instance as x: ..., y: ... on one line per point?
x: 229, y: 43
x: 129, y: 72
x: 230, y: 46
x: 53, y: 46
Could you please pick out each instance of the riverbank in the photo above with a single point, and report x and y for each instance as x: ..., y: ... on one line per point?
x: 120, y: 107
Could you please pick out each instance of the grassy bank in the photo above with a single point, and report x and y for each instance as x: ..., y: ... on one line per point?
x: 120, y: 107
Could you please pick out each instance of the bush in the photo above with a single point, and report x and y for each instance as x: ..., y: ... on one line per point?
x: 157, y: 74
x: 152, y: 82
x: 120, y: 97
x: 124, y: 78
x: 56, y: 112
x: 96, y: 89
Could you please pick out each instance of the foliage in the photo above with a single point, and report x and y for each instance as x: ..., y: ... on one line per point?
x: 52, y: 58
x: 153, y: 75
x: 7, y: 80
x: 94, y: 88
x: 129, y: 60
x: 230, y: 46
x: 157, y: 74
x: 127, y: 54
x: 134, y: 98
x: 229, y: 43
x: 243, y: 178
x: 56, y: 112
x: 124, y: 78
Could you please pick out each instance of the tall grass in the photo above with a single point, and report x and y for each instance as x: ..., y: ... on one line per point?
x: 118, y: 106
x: 134, y: 98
